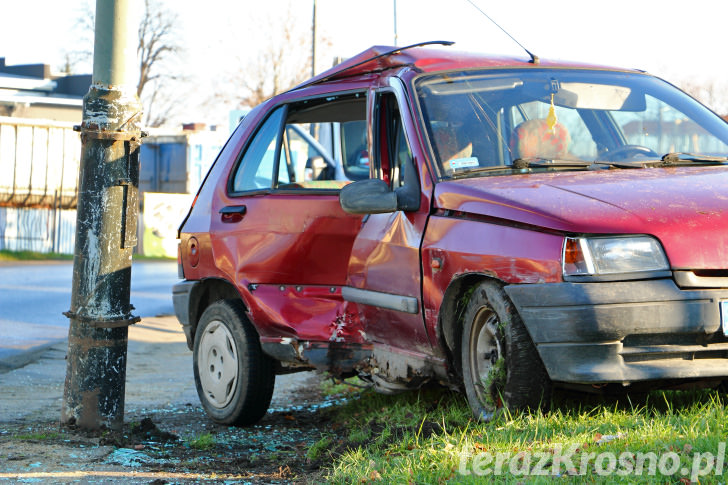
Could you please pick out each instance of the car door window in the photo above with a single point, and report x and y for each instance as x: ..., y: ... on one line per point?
x: 314, y: 144
x: 402, y: 155
x: 316, y: 147
x: 304, y: 158
x: 255, y: 170
x: 395, y: 161
x: 396, y: 156
x: 354, y: 150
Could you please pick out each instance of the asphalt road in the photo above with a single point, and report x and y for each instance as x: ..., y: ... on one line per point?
x: 33, y: 297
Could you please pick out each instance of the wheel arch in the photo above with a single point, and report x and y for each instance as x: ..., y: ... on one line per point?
x: 452, y: 312
x: 205, y: 293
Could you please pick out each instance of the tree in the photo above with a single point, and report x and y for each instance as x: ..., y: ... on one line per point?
x: 158, y: 50
x: 709, y: 92
x: 278, y: 66
x: 279, y: 61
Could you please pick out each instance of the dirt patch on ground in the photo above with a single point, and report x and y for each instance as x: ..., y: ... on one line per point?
x: 167, y: 446
x: 171, y: 445
x: 167, y: 437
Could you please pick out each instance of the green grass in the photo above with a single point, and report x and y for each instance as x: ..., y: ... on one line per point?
x: 142, y: 257
x: 204, y: 441
x: 337, y: 387
x: 37, y: 436
x: 429, y: 436
x: 6, y: 255
x: 317, y: 449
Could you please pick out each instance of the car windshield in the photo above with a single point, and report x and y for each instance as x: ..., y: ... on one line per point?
x: 483, y: 123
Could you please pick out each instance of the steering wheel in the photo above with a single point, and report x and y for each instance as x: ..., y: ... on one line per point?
x: 626, y: 152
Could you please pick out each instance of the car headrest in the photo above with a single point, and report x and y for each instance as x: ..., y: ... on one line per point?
x: 534, y: 139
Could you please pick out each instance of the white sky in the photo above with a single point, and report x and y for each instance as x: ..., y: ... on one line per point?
x: 677, y: 40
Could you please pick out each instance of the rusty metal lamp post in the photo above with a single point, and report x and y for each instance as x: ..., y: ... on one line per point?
x: 100, y: 313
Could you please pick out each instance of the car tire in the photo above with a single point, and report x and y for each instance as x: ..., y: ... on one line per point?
x: 234, y: 378
x: 500, y: 364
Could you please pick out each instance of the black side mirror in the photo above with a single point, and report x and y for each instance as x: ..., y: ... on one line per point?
x: 370, y: 196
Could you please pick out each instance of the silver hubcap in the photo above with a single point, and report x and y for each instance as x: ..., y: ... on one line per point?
x: 485, y: 350
x: 218, y: 364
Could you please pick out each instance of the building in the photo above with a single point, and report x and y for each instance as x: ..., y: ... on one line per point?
x: 33, y: 91
x: 40, y: 158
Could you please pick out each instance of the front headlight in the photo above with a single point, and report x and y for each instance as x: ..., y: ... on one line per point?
x: 599, y: 256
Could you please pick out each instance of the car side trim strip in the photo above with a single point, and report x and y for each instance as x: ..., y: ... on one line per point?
x: 400, y: 303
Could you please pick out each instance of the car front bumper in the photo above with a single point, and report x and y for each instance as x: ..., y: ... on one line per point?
x: 623, y: 332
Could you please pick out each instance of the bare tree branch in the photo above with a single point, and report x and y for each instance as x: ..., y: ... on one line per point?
x: 282, y: 62
x: 709, y: 92
x: 157, y: 50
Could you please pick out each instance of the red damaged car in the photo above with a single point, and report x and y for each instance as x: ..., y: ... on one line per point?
x: 497, y: 225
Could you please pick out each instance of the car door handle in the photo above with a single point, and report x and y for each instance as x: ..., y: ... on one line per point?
x: 232, y: 213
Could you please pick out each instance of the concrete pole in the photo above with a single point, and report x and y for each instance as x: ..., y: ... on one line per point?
x: 313, y: 41
x: 396, y: 40
x: 100, y: 313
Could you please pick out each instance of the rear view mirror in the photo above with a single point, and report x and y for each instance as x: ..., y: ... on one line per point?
x: 370, y: 196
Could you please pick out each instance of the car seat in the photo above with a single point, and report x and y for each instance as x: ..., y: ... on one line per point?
x: 534, y: 139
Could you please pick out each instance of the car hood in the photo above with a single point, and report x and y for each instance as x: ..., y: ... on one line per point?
x: 686, y: 208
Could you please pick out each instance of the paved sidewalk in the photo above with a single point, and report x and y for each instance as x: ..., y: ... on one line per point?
x: 159, y: 372
x: 34, y: 295
x: 160, y: 391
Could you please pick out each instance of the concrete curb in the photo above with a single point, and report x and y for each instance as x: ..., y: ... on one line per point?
x: 11, y: 359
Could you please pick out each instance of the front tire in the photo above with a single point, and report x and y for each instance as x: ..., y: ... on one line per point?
x: 234, y: 378
x: 501, y: 366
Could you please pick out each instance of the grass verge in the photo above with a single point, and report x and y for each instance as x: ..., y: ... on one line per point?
x: 40, y: 436
x: 429, y: 436
x: 6, y: 255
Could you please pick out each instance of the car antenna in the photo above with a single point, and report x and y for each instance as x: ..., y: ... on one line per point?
x: 369, y: 59
x: 534, y: 57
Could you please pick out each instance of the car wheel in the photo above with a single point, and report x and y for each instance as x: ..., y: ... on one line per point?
x: 234, y: 378
x: 501, y: 367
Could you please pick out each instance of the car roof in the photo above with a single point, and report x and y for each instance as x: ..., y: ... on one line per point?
x: 426, y: 58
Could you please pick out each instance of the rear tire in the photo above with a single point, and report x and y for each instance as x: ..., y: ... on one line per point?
x: 501, y: 366
x: 234, y: 378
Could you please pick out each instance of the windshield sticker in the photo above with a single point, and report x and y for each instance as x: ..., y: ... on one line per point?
x: 459, y: 163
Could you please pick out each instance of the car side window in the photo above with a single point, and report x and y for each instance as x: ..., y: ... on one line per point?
x: 321, y: 144
x: 255, y: 170
x: 396, y: 157
x: 306, y: 158
x: 402, y: 159
x: 314, y: 144
x: 395, y: 161
x: 354, y: 150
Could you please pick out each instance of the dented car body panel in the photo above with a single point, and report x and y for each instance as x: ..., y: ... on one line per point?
x: 613, y: 253
x: 668, y: 201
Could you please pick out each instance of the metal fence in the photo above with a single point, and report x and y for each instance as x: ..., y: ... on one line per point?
x: 42, y: 230
x: 39, y: 163
x: 39, y: 169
